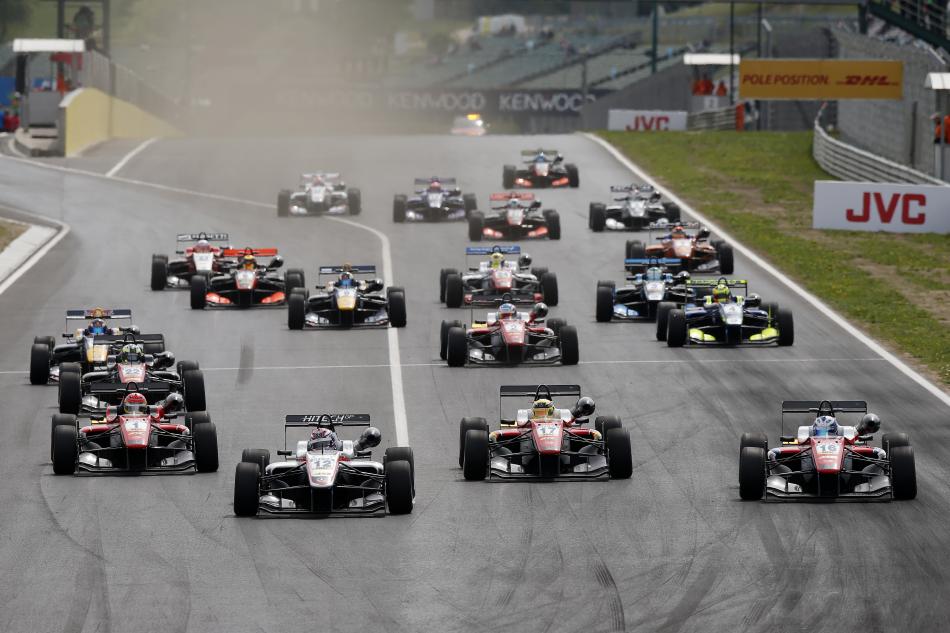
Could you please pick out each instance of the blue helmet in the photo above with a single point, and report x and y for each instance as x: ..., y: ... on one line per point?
x: 824, y: 426
x: 98, y: 326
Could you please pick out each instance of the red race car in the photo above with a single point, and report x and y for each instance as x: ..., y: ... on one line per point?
x: 203, y: 258
x: 694, y: 253
x: 518, y: 217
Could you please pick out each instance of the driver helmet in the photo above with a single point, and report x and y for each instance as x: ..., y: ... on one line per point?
x: 506, y: 311
x: 134, y: 404
x: 322, y: 439
x: 435, y: 185
x: 131, y: 353
x: 721, y: 293
x: 202, y: 246
x: 542, y: 408
x: 98, y: 326
x: 346, y: 279
x: 249, y: 262
x: 824, y: 426
x: 678, y: 231
x: 497, y: 259
x: 653, y: 274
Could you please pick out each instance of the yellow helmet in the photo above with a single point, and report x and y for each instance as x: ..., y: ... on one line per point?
x: 249, y: 262
x: 721, y: 293
x: 496, y: 259
x: 542, y: 408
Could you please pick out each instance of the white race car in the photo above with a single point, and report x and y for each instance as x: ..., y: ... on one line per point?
x: 318, y: 194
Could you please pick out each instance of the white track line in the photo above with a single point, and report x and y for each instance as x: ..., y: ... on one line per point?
x: 38, y: 255
x: 767, y: 267
x: 125, y: 159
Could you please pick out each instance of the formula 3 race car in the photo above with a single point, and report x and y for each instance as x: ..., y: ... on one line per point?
x: 543, y: 168
x: 508, y: 337
x: 325, y: 475
x: 137, y: 438
x: 518, y: 217
x: 636, y: 208
x: 320, y: 193
x: 497, y: 277
x: 727, y: 319
x: 347, y: 302
x: 248, y: 284
x: 544, y: 442
x: 694, y: 253
x: 435, y: 199
x: 827, y: 459
x: 47, y: 358
x: 643, y: 292
x: 204, y: 258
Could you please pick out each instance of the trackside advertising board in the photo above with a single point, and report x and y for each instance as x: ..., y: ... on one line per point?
x: 646, y: 120
x: 871, y: 206
x: 821, y: 79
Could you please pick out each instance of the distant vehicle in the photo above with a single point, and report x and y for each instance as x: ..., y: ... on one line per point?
x: 643, y: 292
x: 248, y: 284
x: 347, y: 301
x: 324, y: 474
x: 544, y: 442
x: 519, y: 217
x: 318, y: 194
x: 435, y: 199
x: 692, y: 249
x: 543, y: 168
x: 204, y: 258
x: 496, y: 277
x: 469, y: 125
x: 827, y: 459
x: 639, y: 206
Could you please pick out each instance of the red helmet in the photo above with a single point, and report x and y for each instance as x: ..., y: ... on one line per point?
x: 134, y: 403
x: 322, y: 439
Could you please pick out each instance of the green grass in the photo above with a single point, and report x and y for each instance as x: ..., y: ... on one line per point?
x: 9, y: 232
x: 759, y: 186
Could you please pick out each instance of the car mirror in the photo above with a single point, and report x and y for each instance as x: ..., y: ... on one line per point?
x: 703, y: 233
x: 524, y: 261
x: 368, y: 439
x: 276, y: 263
x: 539, y: 311
x: 753, y: 300
x: 787, y: 439
x: 584, y: 408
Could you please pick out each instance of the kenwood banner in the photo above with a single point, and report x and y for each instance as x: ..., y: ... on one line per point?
x: 869, y: 206
x: 821, y: 79
x: 646, y: 120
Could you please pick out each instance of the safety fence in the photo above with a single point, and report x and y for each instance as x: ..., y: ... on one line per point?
x: 100, y: 72
x: 720, y: 119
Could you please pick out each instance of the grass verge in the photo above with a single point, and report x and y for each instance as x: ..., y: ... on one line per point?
x: 9, y: 231
x: 759, y: 187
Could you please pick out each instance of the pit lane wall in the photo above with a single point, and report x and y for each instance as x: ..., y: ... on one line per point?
x: 88, y: 116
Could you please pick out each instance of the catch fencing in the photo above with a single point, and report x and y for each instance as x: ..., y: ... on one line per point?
x: 100, y: 72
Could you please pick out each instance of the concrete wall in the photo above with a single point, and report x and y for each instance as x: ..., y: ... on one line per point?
x: 89, y: 116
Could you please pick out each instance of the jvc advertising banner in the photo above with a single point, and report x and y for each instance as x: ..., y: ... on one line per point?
x: 870, y: 206
x: 821, y: 79
x: 646, y: 120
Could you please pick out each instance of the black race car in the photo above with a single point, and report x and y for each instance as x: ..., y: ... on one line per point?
x: 542, y: 168
x: 644, y: 291
x: 519, y: 217
x: 635, y: 210
x: 248, y: 283
x: 435, y: 199
x: 347, y: 301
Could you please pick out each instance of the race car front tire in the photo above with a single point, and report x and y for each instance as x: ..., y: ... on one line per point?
x: 70, y: 392
x: 283, y: 203
x: 676, y: 328
x: 893, y: 440
x: 597, y: 218
x: 476, y: 224
x: 757, y: 438
x: 60, y: 419
x: 205, y: 447
x: 475, y: 455
x: 635, y: 249
x: 556, y: 324
x: 444, y: 337
x: 199, y: 292
x: 605, y: 304
x: 619, y: 453
x: 445, y: 272
x: 48, y: 341
x: 454, y: 292
x: 296, y: 311
x: 40, y: 357
x: 470, y: 202
x: 246, y: 489
x: 402, y: 453
x: 259, y: 456
x: 726, y: 260
x: 903, y: 472
x: 573, y: 175
x: 65, y: 449
x: 751, y: 473
x: 354, y: 201
x: 194, y: 418
x: 396, y: 305
x: 399, y: 208
x: 186, y: 365
x: 549, y: 288
x: 786, y: 327
x: 603, y: 423
x: 466, y: 425
x: 570, y: 354
x: 159, y: 272
x: 554, y: 224
x: 456, y: 347
x: 193, y: 388
x: 399, y: 487
x: 508, y: 173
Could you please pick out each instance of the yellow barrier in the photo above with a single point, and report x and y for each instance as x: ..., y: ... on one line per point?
x: 89, y: 116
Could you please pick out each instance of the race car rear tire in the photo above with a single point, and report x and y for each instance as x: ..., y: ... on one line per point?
x: 159, y: 272
x: 296, y: 311
x: 726, y: 261
x: 70, y: 392
x: 396, y: 306
x: 456, y: 347
x: 662, y: 318
x: 444, y: 336
x: 786, y: 327
x: 676, y: 328
x: 756, y: 438
x: 597, y: 218
x: 246, y: 489
x: 549, y: 288
x: 894, y: 440
x: 193, y: 390
x: 283, y: 203
x: 605, y: 304
x: 554, y: 224
x: 65, y: 449
x: 60, y: 419
x: 294, y: 278
x: 199, y: 292
x: 476, y: 224
x: 354, y: 201
x: 259, y: 456
x: 555, y: 325
x: 672, y: 212
x: 399, y: 208
x: 470, y: 202
x: 40, y: 357
x: 186, y: 365
x: 751, y: 473
x: 454, y: 292
x: 399, y: 487
x: 903, y: 472
x: 603, y: 423
x: 635, y: 249
x: 570, y: 354
x: 194, y: 418
x: 205, y: 439
x: 573, y: 175
x: 475, y: 455
x: 445, y: 272
x: 402, y: 453
x: 619, y: 453
x: 466, y: 425
x: 508, y: 176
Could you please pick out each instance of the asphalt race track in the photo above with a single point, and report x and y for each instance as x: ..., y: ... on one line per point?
x: 672, y: 549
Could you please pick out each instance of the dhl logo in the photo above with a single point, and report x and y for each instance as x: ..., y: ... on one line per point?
x: 866, y: 80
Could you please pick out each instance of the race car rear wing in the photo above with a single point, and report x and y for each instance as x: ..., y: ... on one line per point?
x: 712, y: 283
x: 99, y: 313
x: 194, y: 237
x: 642, y: 262
x: 105, y: 339
x: 328, y: 175
x: 488, y: 250
x: 328, y: 420
x: 256, y: 252
x: 535, y: 152
x: 511, y: 195
x: 812, y: 406
x: 366, y: 269
x: 426, y: 181
x: 665, y: 226
x: 521, y: 391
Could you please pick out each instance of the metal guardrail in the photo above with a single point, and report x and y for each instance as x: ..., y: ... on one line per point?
x: 848, y: 162
x: 721, y: 119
